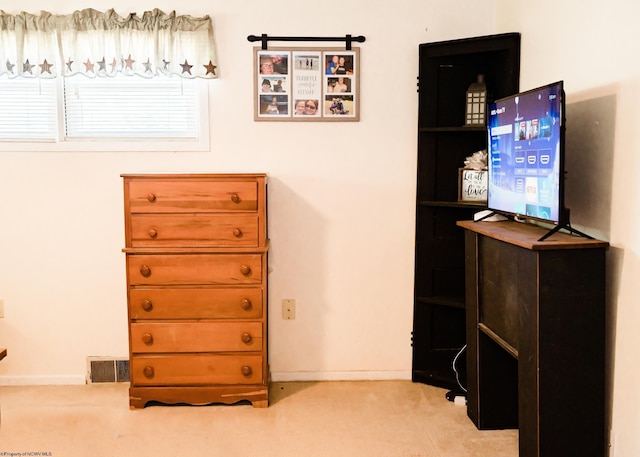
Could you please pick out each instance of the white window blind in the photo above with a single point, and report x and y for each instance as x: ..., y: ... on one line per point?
x: 28, y: 109
x: 131, y: 107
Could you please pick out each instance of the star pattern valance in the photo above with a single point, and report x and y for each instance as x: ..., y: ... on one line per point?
x: 101, y: 44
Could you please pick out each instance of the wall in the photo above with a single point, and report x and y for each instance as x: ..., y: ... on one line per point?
x: 593, y: 47
x: 341, y: 202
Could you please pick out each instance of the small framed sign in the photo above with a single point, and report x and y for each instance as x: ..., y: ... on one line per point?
x: 472, y: 185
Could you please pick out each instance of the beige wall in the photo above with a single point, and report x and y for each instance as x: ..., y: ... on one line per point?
x: 341, y: 203
x: 341, y: 195
x: 593, y: 47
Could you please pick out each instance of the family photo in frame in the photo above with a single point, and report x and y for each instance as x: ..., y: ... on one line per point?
x: 306, y: 84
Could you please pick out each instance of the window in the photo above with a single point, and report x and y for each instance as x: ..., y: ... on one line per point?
x: 130, y: 107
x: 121, y: 108
x: 67, y: 80
x: 28, y: 109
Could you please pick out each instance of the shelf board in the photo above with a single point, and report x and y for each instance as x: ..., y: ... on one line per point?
x: 451, y: 204
x: 452, y: 129
x: 441, y: 300
x: 442, y: 378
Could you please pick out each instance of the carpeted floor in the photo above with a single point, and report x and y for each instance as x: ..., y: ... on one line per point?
x: 323, y: 419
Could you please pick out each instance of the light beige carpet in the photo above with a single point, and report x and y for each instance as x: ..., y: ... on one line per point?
x: 323, y: 419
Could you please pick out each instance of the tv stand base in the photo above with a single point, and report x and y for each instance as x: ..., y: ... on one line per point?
x: 566, y: 227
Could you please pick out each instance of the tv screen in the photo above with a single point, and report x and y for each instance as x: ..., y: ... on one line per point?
x: 526, y: 154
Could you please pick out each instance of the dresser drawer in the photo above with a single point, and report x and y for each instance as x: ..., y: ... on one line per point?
x: 191, y: 196
x: 205, y: 303
x: 196, y: 337
x: 185, y: 269
x: 196, y: 369
x: 193, y: 230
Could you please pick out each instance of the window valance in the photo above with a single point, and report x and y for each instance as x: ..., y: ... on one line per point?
x: 101, y: 44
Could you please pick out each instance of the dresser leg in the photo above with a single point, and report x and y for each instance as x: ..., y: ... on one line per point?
x: 260, y: 403
x: 137, y: 402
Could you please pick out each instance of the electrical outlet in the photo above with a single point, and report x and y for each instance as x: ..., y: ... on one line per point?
x: 288, y: 309
x: 1, y: 308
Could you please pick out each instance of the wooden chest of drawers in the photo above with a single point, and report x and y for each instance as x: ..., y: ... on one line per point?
x: 196, y: 254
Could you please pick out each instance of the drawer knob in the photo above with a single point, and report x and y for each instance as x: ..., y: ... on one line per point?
x: 151, y: 197
x: 147, y: 338
x: 245, y: 269
x: 235, y: 198
x: 246, y: 337
x: 245, y: 304
x: 147, y: 305
x: 145, y: 271
x: 148, y: 371
x: 153, y: 233
x: 237, y: 232
x: 246, y: 371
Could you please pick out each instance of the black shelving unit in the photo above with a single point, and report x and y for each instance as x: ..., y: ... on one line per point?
x: 446, y: 69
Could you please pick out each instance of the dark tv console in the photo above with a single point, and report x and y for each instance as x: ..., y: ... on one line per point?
x: 535, y: 336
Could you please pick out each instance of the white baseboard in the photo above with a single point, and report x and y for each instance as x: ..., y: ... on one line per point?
x: 53, y: 380
x: 287, y: 376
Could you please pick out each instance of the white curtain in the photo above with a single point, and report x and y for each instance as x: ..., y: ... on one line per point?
x: 101, y: 44
x: 28, y: 45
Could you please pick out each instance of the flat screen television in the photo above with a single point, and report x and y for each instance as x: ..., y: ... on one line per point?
x: 526, y: 156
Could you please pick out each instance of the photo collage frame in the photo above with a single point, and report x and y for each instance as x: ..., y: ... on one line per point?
x: 306, y: 84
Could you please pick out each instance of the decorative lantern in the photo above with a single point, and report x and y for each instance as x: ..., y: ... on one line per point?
x: 476, y: 112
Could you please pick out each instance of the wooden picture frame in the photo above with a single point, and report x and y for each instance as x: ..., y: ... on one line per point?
x: 307, y: 84
x: 472, y: 185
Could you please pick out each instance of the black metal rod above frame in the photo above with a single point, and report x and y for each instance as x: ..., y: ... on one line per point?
x: 264, y: 38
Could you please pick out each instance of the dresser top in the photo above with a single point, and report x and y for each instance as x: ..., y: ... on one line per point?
x: 193, y: 175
